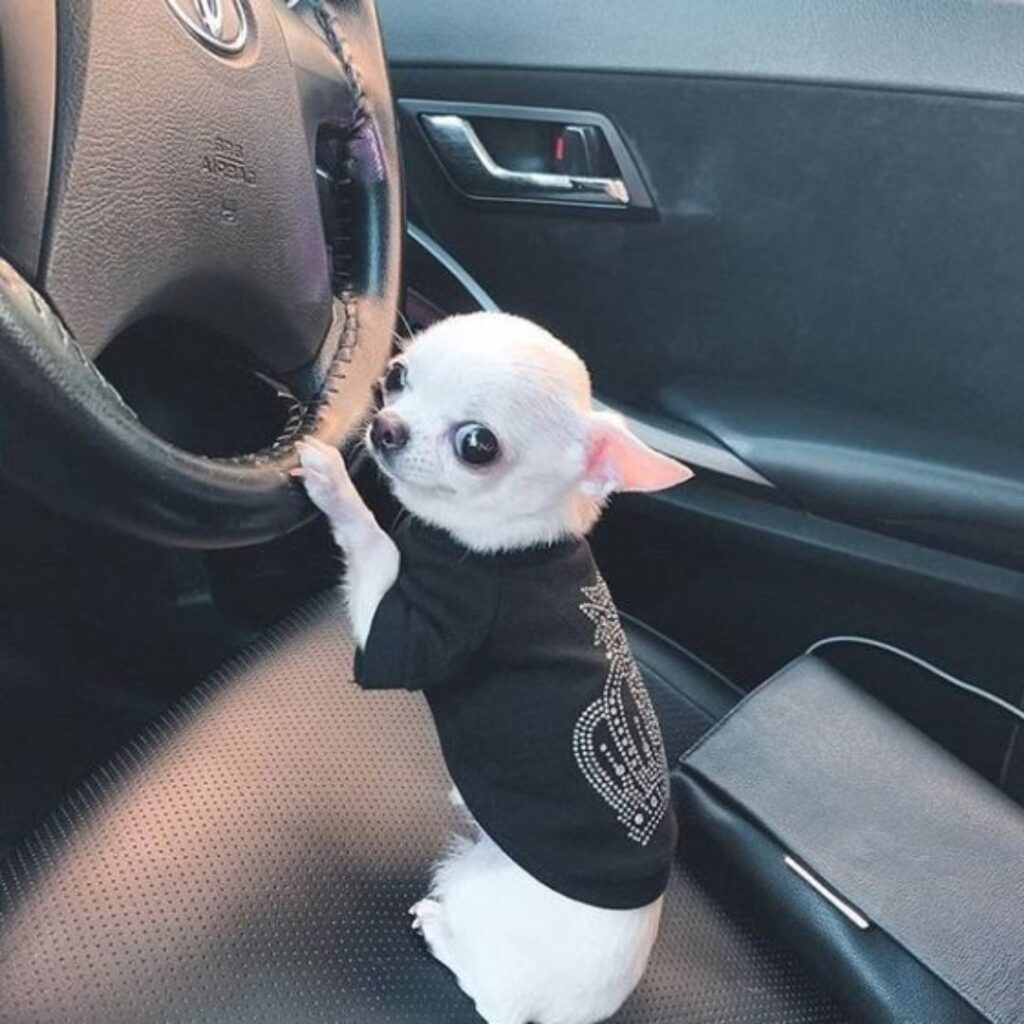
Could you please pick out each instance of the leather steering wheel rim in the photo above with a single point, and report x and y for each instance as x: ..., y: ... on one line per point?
x: 230, y: 204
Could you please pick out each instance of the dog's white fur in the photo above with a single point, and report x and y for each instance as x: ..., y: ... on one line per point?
x: 524, y: 953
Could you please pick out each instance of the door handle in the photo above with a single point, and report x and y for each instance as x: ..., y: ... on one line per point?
x: 476, y: 173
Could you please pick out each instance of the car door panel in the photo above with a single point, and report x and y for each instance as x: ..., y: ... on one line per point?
x: 820, y: 291
x: 942, y: 45
x: 821, y: 309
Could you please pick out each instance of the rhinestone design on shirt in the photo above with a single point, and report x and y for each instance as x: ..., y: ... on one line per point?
x: 617, y: 740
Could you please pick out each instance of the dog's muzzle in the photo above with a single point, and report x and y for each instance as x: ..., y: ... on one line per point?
x: 388, y: 433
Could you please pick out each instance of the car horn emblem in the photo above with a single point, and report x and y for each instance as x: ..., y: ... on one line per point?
x: 212, y: 15
x: 219, y: 24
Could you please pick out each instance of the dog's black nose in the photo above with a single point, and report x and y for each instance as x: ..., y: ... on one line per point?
x: 388, y: 432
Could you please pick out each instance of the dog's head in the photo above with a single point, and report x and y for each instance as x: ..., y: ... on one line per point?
x: 487, y: 431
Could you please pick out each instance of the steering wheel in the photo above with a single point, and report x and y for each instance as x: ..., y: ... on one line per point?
x: 160, y: 159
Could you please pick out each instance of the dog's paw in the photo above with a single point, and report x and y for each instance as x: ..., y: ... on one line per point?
x: 325, y: 477
x: 423, y: 911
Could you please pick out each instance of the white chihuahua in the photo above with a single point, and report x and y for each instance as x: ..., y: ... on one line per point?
x: 488, y: 600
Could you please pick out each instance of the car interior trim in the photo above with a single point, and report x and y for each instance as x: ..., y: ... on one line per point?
x: 975, y: 581
x: 947, y: 677
x: 477, y: 174
x: 436, y: 119
x: 698, y: 452
x: 921, y: 45
x: 844, y: 908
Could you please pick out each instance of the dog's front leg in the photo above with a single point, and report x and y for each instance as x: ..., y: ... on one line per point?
x: 371, y: 557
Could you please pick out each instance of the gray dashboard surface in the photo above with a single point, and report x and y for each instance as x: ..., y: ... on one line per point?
x: 972, y: 46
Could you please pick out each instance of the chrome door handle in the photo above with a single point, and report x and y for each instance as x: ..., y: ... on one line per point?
x: 474, y: 171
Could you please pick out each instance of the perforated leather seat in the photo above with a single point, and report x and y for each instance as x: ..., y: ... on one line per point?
x: 251, y: 859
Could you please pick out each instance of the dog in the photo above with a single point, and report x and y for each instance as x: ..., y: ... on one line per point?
x: 487, y: 599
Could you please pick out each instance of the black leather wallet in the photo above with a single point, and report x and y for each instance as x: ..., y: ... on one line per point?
x: 895, y: 870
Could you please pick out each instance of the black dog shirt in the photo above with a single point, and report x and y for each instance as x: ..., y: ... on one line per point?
x: 543, y: 717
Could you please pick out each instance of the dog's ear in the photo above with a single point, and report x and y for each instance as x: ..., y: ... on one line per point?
x: 617, y: 460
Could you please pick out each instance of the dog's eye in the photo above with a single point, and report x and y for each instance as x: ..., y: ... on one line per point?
x: 475, y: 444
x: 394, y: 379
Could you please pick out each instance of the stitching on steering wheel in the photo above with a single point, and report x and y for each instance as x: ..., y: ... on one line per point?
x: 336, y: 41
x: 349, y: 338
x: 303, y: 419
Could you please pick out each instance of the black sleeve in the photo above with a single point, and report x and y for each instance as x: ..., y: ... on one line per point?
x: 434, y: 618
